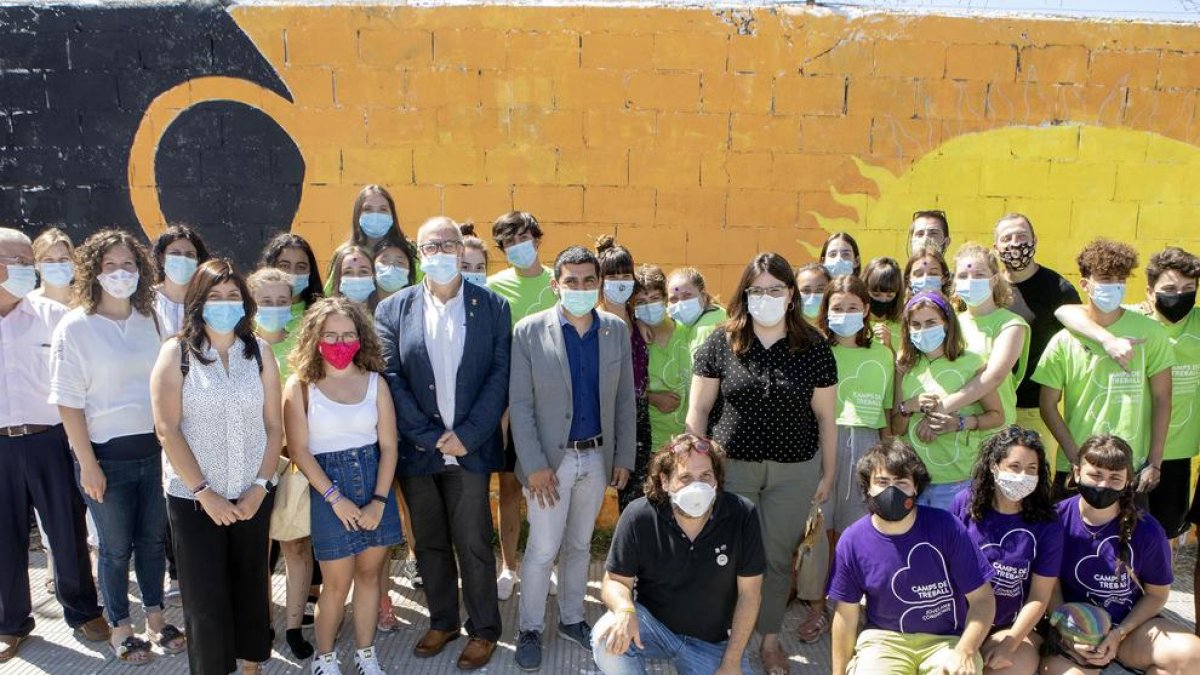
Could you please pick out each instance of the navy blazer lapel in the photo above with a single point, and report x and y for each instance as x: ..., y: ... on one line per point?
x: 558, y: 346
x: 414, y: 329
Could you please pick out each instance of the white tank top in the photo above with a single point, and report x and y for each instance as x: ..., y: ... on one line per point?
x: 334, y: 426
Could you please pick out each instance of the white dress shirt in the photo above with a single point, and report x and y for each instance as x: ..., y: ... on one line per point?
x: 103, y: 367
x: 445, y: 335
x: 25, y: 337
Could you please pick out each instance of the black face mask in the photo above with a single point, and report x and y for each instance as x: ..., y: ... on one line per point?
x: 891, y: 504
x: 1099, y: 497
x: 882, y: 308
x: 1174, y: 306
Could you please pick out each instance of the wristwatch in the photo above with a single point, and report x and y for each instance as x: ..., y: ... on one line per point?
x: 263, y: 483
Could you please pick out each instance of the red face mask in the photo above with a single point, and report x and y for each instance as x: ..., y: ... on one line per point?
x: 339, y: 354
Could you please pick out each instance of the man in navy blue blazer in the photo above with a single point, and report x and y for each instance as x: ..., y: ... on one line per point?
x: 447, y: 345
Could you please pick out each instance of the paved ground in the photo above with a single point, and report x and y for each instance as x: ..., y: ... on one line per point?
x: 52, y: 648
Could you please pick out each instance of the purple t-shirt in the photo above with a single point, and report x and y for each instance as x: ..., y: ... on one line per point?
x: 1016, y: 549
x: 1089, y: 569
x: 916, y: 582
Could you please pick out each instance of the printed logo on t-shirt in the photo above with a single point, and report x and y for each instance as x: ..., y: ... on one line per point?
x: 1017, y: 545
x: 1185, y: 378
x: 924, y: 584
x: 858, y: 391
x: 942, y: 452
x: 1131, y: 385
x: 1096, y: 573
x: 722, y: 559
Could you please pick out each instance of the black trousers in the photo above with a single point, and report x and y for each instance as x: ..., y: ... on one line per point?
x: 223, y: 576
x: 36, y: 470
x: 450, y: 512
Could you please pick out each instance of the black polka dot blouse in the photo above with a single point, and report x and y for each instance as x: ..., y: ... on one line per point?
x: 766, y: 412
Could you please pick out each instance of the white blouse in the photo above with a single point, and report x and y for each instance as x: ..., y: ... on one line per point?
x: 334, y: 426
x: 170, y: 313
x: 223, y: 422
x: 103, y: 367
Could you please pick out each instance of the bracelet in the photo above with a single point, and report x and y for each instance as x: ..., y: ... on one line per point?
x: 380, y: 498
x: 627, y: 610
x: 336, y: 498
x: 962, y: 423
x: 332, y: 489
x: 904, y: 411
x: 200, y: 488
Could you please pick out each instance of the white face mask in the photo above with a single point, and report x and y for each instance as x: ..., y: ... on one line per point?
x: 695, y: 499
x: 767, y: 311
x: 1015, y: 486
x: 119, y: 283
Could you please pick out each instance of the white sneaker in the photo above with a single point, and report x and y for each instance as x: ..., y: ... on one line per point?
x: 326, y: 664
x: 366, y: 663
x: 505, y: 583
x: 172, y: 596
x: 554, y: 581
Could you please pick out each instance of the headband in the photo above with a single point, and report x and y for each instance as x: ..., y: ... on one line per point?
x: 932, y: 296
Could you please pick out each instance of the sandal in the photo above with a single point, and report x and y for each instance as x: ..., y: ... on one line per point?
x: 171, y: 640
x: 249, y: 668
x: 814, y: 626
x: 776, y: 664
x: 134, y: 651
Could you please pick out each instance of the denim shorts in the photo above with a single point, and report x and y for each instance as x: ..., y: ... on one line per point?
x: 354, y: 472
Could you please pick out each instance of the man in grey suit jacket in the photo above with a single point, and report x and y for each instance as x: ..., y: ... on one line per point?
x: 571, y: 408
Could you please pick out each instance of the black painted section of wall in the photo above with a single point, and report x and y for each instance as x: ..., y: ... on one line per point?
x: 76, y: 81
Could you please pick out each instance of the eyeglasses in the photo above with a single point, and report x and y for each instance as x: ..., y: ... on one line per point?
x: 435, y: 247
x: 773, y: 291
x: 1027, y: 437
x: 15, y: 260
x: 929, y: 213
x: 338, y: 337
x: 689, y: 443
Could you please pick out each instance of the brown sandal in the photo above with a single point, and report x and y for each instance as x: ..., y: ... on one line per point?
x: 134, y: 651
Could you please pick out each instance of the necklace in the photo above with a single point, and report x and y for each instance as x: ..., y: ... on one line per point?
x: 1094, y: 532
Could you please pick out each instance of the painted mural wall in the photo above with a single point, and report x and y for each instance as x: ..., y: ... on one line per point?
x: 696, y: 136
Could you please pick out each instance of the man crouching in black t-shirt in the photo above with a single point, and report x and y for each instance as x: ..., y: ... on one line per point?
x: 696, y: 554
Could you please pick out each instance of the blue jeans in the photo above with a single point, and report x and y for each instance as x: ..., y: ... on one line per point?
x: 689, y: 655
x: 131, y: 522
x: 942, y: 496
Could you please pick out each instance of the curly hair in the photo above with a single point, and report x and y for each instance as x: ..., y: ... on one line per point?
x: 89, y: 261
x: 675, y: 453
x: 1107, y: 258
x: 192, y: 333
x: 1002, y: 293
x: 1037, y: 507
x: 1112, y: 453
x: 306, y: 360
x: 897, y: 458
x: 851, y: 285
x: 1170, y: 259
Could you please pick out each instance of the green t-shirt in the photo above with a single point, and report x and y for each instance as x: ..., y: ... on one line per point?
x: 281, y: 350
x: 670, y: 369
x: 897, y: 336
x: 525, y: 295
x: 864, y: 390
x: 979, y: 335
x: 951, y: 456
x: 1098, y: 396
x: 1183, y: 438
x: 704, y: 326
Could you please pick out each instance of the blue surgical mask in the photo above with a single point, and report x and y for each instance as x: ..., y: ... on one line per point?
x: 686, y: 311
x: 179, y: 268
x: 375, y: 225
x: 58, y: 273
x: 974, y: 292
x: 810, y: 304
x: 22, y: 279
x: 617, y: 291
x: 522, y: 255
x: 273, y: 319
x: 579, y: 303
x: 391, y: 278
x: 441, y: 268
x: 299, y: 284
x: 477, y: 278
x: 1107, y: 297
x: 845, y: 325
x: 650, y: 313
x: 928, y: 339
x: 357, y: 289
x: 840, y: 267
x: 925, y: 283
x: 223, y: 315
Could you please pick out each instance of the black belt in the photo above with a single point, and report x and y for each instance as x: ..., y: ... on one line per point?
x: 19, y: 430
x: 586, y: 444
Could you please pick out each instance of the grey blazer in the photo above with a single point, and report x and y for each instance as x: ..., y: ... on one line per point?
x: 539, y: 402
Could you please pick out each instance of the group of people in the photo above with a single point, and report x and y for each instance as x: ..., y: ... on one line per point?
x: 895, y: 414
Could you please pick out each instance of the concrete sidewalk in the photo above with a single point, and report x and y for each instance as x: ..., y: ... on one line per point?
x: 53, y: 649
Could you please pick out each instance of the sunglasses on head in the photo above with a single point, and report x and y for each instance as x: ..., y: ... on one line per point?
x: 690, y: 443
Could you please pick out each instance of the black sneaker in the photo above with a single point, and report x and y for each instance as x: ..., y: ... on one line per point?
x: 529, y: 650
x: 579, y: 633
